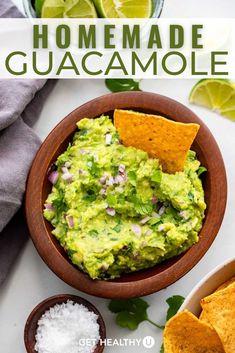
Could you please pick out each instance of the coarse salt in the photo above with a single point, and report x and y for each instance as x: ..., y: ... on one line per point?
x: 65, y: 327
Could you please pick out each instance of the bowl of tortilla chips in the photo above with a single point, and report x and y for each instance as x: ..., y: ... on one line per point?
x: 116, y: 202
x: 206, y: 321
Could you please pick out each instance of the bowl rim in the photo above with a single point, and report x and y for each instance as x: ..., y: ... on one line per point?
x: 48, y: 303
x: 207, y: 278
x: 150, y: 284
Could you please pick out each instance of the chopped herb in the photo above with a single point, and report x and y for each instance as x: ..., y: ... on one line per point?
x: 83, y: 132
x: 70, y: 252
x: 191, y: 196
x: 121, y: 199
x: 118, y: 227
x: 58, y: 203
x: 114, y: 170
x: 201, y: 170
x: 116, y: 137
x: 142, y: 208
x: 90, y: 195
x: 162, y: 349
x: 93, y: 233
x: 132, y: 177
x: 157, y: 176
x: 93, y: 167
x: 154, y: 221
x: 122, y: 85
x: 111, y: 199
x: 113, y: 239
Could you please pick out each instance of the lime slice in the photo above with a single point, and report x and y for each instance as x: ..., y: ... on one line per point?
x: 68, y: 8
x: 124, y: 8
x: 217, y: 95
x: 38, y: 7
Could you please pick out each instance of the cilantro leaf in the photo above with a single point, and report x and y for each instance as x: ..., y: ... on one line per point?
x: 93, y: 233
x: 121, y: 85
x: 143, y: 208
x: 111, y: 199
x: 201, y: 170
x: 93, y: 167
x: 157, y: 176
x: 90, y: 195
x: 191, y: 196
x: 130, y: 313
x: 132, y: 177
x: 118, y: 227
x: 174, y: 303
x: 162, y: 349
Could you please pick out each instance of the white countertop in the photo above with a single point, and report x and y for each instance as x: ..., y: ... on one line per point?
x: 31, y: 281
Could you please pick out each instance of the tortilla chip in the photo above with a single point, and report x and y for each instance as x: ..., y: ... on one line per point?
x: 203, y: 316
x: 162, y: 138
x: 185, y: 333
x: 219, y: 309
x: 226, y: 284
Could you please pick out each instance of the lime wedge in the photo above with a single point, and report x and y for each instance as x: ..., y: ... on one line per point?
x: 38, y: 7
x: 124, y: 8
x: 68, y: 8
x: 217, y: 95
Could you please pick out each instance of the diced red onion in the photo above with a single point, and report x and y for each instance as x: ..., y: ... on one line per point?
x: 119, y: 179
x: 65, y: 170
x: 110, y: 211
x: 103, y: 191
x: 108, y: 139
x: 67, y: 164
x: 103, y: 179
x: 154, y: 200
x: 110, y: 181
x: 67, y: 177
x: 124, y: 175
x: 184, y: 214
x: 145, y: 220
x: 96, y: 158
x: 149, y: 232
x: 49, y: 206
x: 161, y: 210
x: 119, y: 189
x: 82, y: 151
x: 121, y: 168
x: 136, y: 229
x: 81, y: 172
x: 53, y: 177
x: 155, y: 215
x: 70, y: 221
x: 161, y: 228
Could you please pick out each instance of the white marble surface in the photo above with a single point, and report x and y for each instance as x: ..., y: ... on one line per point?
x: 31, y: 281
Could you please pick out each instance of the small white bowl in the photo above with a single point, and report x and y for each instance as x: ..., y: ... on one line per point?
x: 208, y: 285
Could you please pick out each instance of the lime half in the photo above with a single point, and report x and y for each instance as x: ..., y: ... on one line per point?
x: 217, y: 95
x: 124, y: 8
x: 68, y: 8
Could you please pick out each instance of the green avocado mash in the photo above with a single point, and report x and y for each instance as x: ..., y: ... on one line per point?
x: 114, y: 210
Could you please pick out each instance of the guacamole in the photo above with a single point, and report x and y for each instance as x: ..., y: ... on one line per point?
x: 114, y: 210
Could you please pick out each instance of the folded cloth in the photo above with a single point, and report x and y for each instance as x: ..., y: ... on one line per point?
x: 18, y: 145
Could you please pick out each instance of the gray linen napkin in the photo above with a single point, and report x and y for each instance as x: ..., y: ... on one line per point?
x: 18, y: 145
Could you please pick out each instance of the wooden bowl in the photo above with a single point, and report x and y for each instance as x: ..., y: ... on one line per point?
x: 32, y: 321
x: 145, y: 281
